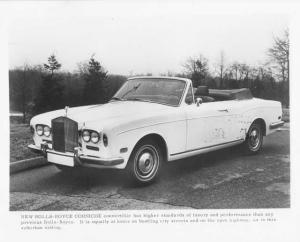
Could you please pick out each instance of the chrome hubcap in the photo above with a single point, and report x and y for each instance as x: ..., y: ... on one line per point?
x: 146, y: 162
x: 254, y: 138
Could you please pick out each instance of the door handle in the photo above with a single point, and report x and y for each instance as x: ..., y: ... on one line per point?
x: 223, y: 110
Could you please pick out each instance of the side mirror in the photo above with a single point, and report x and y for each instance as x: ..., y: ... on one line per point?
x: 199, y: 101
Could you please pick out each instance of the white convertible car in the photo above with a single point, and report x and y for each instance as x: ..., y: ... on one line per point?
x: 152, y: 120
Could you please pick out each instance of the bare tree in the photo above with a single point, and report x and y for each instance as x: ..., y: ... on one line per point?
x: 244, y: 70
x: 221, y: 69
x: 235, y: 70
x: 83, y: 67
x: 279, y: 55
x: 197, y: 69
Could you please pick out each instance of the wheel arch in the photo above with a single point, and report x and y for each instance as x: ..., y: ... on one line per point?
x: 157, y: 138
x: 262, y: 122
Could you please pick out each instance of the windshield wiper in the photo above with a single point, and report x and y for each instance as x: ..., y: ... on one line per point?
x: 137, y: 99
x: 132, y: 89
x: 128, y: 99
x: 116, y: 99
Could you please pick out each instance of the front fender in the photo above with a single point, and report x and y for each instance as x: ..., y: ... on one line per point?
x: 174, y: 135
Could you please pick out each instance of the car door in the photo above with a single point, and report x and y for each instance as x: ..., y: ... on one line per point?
x: 209, y: 124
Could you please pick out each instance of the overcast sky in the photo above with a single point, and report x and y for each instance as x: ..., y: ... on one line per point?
x: 137, y: 39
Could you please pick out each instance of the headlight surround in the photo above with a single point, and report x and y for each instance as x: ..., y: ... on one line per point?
x: 39, y: 129
x: 105, y: 140
x: 90, y: 136
x: 47, y: 131
x: 95, y: 137
x: 86, y: 136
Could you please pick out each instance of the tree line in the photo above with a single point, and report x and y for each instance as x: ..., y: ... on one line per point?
x: 41, y: 88
x: 269, y: 80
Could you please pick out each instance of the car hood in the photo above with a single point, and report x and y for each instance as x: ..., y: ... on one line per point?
x: 108, y: 113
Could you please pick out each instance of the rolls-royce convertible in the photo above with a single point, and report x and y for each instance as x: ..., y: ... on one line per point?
x: 152, y: 120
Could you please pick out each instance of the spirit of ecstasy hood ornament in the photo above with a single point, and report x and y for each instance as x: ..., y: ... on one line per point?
x: 66, y: 110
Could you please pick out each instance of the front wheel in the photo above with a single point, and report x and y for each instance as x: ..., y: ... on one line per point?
x: 254, y: 139
x: 144, y: 163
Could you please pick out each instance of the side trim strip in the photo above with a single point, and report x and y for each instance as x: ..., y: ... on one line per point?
x: 151, y: 125
x: 206, y: 147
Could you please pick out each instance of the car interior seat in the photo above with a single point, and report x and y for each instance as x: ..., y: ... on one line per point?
x: 203, y: 93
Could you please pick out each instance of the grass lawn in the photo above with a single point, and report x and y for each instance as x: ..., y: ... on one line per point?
x: 286, y: 115
x: 20, y: 137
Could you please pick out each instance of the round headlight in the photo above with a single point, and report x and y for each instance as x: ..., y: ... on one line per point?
x: 95, y: 137
x: 86, y: 136
x: 47, y: 131
x: 39, y: 130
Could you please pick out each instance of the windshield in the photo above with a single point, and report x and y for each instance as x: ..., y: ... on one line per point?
x: 164, y: 91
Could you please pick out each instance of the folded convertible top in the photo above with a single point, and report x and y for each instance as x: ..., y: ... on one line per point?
x: 232, y: 94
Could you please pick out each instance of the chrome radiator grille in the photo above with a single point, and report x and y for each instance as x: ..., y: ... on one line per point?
x: 64, y: 134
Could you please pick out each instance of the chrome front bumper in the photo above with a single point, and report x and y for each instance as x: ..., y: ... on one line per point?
x: 78, y: 158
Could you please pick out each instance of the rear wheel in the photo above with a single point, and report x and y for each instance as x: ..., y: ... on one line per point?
x: 145, y: 161
x: 254, y: 139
